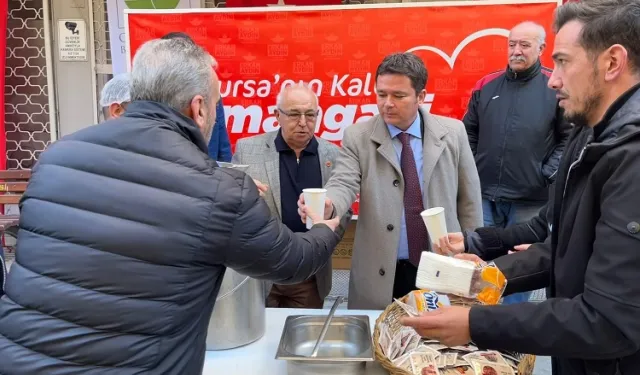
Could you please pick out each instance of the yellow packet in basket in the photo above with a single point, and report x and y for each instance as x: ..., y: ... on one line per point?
x: 442, y: 274
x: 424, y: 300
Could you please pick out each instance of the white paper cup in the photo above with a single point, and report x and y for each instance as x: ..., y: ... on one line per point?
x: 314, y: 200
x: 435, y: 222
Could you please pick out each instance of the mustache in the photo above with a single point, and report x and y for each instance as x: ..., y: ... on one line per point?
x: 562, y: 94
x: 517, y: 58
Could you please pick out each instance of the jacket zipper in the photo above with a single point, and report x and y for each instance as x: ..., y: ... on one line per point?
x: 566, y: 182
x: 589, y: 139
x: 504, y: 145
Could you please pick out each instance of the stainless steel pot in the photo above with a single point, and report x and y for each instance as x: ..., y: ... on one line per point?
x: 238, y: 317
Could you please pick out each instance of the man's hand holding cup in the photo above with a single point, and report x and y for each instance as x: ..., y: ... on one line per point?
x: 316, y: 219
x: 302, y: 204
x: 451, y: 244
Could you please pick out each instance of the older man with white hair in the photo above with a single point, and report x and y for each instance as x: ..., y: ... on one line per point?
x: 126, y: 230
x: 289, y: 160
x: 517, y: 134
x: 115, y: 96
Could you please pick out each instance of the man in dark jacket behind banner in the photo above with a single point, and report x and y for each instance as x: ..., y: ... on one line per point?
x: 517, y: 133
x: 126, y: 228
x: 590, y: 324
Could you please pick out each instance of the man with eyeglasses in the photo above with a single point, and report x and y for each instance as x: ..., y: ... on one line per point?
x: 289, y: 160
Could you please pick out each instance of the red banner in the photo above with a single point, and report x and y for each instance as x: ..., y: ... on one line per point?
x: 4, y: 13
x: 264, y: 3
x: 337, y: 49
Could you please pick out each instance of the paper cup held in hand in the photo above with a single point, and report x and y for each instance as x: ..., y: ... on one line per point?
x: 435, y: 221
x: 314, y: 200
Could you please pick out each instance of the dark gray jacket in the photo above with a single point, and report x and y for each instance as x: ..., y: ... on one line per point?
x: 516, y: 133
x: 590, y: 324
x: 126, y: 229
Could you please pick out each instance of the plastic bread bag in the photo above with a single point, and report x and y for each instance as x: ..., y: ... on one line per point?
x: 426, y: 300
x: 483, y: 282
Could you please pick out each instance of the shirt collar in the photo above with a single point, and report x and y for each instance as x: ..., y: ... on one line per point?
x: 282, y: 146
x: 525, y: 75
x: 414, y: 129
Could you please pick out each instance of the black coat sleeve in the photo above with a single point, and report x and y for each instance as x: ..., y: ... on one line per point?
x: 527, y: 270
x: 604, y: 321
x: 264, y: 248
x: 491, y: 242
x: 562, y: 130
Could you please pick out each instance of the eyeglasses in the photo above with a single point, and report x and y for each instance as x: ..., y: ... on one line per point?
x: 294, y: 115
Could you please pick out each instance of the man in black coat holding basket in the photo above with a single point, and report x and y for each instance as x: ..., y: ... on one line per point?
x: 590, y: 324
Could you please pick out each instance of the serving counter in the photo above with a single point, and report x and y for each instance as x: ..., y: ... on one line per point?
x: 259, y: 356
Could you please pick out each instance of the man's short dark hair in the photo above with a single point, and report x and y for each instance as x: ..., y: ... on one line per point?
x: 406, y: 64
x: 178, y: 34
x: 605, y: 23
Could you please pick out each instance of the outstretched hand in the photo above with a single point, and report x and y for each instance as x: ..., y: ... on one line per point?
x: 448, y: 324
x: 317, y: 219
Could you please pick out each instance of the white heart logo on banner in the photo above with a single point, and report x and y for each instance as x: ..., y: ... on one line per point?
x: 452, y: 59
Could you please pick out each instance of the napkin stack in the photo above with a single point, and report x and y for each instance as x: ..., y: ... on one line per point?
x: 444, y: 274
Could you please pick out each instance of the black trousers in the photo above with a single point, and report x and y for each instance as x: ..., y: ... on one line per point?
x: 405, y: 279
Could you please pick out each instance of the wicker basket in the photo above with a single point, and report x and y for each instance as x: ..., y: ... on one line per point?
x: 391, y: 315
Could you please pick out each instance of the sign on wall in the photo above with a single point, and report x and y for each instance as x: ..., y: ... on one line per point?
x: 115, y: 15
x: 72, y: 40
x: 336, y: 50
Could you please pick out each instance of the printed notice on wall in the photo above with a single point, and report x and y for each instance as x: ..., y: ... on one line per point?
x: 72, y: 40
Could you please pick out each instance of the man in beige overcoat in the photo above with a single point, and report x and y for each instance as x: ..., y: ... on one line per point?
x: 287, y: 161
x: 402, y: 161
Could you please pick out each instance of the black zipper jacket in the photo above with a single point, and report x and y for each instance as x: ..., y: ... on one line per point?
x: 591, y: 322
x: 516, y: 133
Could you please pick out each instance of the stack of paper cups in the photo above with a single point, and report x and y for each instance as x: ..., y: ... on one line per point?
x: 435, y: 222
x: 314, y: 200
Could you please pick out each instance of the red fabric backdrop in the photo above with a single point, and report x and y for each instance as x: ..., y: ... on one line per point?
x: 263, y: 3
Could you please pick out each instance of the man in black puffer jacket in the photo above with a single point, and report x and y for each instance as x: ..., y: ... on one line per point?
x: 127, y: 228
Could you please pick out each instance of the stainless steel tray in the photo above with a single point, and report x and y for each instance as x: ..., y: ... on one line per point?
x: 344, y: 351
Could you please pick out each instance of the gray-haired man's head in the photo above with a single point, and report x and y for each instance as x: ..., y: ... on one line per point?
x: 179, y: 74
x: 526, y: 43
x: 297, y: 113
x: 115, y: 96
